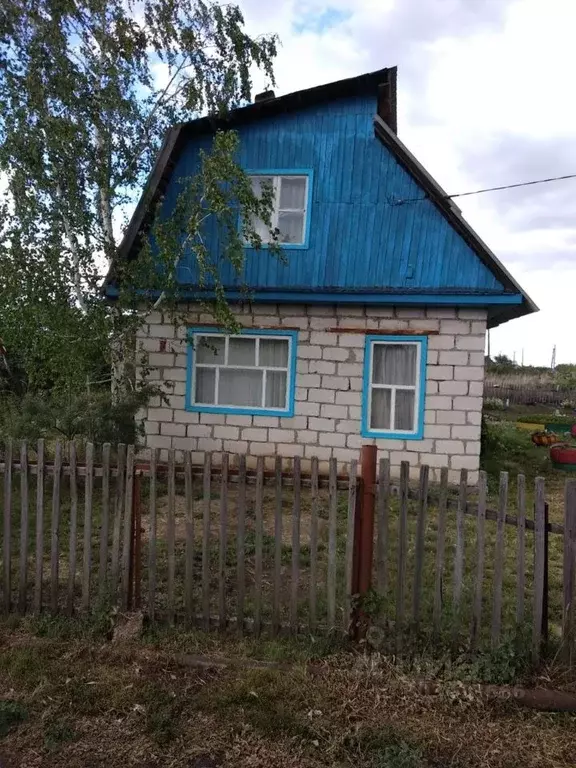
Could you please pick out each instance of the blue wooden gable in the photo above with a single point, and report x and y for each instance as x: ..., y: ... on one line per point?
x: 380, y: 228
x: 361, y: 238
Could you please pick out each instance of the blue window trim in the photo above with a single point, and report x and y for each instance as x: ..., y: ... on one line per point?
x: 290, y: 172
x: 366, y: 431
x: 239, y: 410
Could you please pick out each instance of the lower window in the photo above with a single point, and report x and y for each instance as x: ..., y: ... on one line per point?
x: 253, y: 372
x: 394, y: 386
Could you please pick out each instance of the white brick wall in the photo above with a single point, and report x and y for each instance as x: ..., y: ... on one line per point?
x: 327, y: 416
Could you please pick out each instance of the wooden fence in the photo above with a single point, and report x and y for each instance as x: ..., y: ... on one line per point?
x: 269, y: 548
x: 517, y: 393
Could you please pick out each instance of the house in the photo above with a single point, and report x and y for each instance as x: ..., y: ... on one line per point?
x: 372, y: 329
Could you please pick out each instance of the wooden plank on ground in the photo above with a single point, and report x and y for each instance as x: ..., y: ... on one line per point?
x: 459, y: 550
x: 73, y: 528
x: 223, y: 544
x: 521, y: 553
x: 313, y: 542
x: 152, y: 535
x: 189, y: 566
x: 480, y: 555
x: 440, y: 550
x: 332, y: 525
x: 277, y: 545
x: 402, y: 552
x: 240, y: 541
x: 39, y: 560
x: 350, y: 535
x: 382, y: 525
x: 127, y: 536
x: 539, y: 562
x: 105, y: 522
x: 259, y: 535
x: 118, y: 506
x: 419, y: 550
x: 295, y: 545
x: 499, y: 561
x: 88, y: 501
x: 55, y: 529
x: 171, y: 535
x: 7, y: 526
x: 24, y: 502
x: 206, y: 491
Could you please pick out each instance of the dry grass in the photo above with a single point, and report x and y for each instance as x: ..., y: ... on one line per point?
x: 88, y: 705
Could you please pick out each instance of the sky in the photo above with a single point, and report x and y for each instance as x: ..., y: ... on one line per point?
x: 485, y: 98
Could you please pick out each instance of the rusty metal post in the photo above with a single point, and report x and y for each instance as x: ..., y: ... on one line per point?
x: 364, y: 535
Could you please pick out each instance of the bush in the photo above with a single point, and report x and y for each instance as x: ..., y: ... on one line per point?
x: 94, y: 416
x: 494, y: 404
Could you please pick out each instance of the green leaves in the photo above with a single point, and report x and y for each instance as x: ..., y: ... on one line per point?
x: 88, y: 90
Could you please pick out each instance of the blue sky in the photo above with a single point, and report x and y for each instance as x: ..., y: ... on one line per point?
x: 482, y: 98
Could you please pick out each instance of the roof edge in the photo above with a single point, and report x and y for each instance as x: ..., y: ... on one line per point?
x: 453, y: 214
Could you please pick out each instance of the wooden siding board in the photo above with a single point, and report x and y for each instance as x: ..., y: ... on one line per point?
x: 350, y: 247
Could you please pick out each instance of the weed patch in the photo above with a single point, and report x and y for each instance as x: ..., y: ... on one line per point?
x: 11, y: 714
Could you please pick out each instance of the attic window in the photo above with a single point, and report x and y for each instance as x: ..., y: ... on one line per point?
x: 290, y: 215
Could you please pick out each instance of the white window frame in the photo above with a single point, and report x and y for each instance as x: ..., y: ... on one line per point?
x: 287, y: 409
x: 419, y: 388
x: 276, y: 179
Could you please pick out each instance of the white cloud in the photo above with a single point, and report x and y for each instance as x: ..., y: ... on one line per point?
x: 492, y: 75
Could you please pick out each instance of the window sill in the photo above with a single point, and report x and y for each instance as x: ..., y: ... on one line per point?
x: 241, y: 411
x: 282, y: 246
x: 392, y: 435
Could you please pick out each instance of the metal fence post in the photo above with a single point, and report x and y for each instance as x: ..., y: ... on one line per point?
x: 364, y: 536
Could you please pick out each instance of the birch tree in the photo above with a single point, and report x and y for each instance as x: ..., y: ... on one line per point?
x: 88, y: 89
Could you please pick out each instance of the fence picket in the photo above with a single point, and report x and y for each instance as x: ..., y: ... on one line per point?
x: 499, y: 561
x: 277, y: 545
x: 127, y: 539
x: 222, y: 617
x: 402, y: 552
x: 6, y: 550
x: 88, y: 493
x: 480, y: 555
x: 189, y: 567
x: 55, y: 530
x: 73, y: 528
x: 313, y: 542
x: 419, y: 551
x: 24, y: 501
x: 206, y: 490
x: 332, y: 523
x: 383, y: 523
x: 539, y: 560
x: 440, y: 547
x: 240, y: 541
x: 259, y: 535
x: 105, y: 521
x: 295, y: 545
x: 569, y: 572
x: 350, y: 540
x: 39, y: 560
x: 171, y: 534
x: 459, y: 549
x: 521, y: 553
x: 118, y: 505
x: 152, y: 534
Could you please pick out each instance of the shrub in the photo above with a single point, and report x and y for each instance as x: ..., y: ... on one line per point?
x: 494, y: 404
x: 94, y: 416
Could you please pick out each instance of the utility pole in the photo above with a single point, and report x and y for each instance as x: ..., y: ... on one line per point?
x: 522, y: 357
x: 553, y: 363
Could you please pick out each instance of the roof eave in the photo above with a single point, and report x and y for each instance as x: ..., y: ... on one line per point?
x: 454, y: 216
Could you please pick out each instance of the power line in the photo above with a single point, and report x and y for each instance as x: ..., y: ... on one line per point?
x: 490, y: 189
x: 514, y: 186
